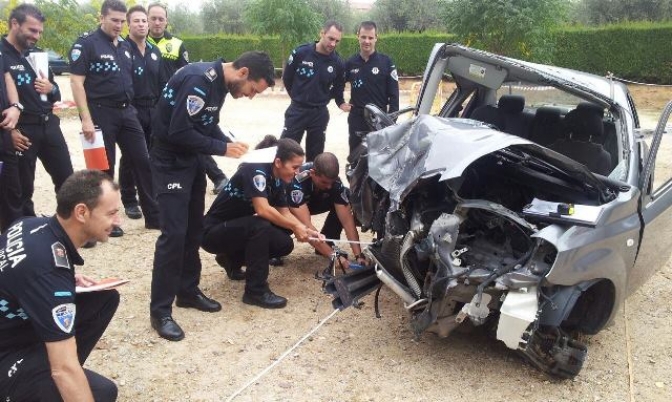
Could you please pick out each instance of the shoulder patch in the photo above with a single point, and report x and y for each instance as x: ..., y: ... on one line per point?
x: 194, y: 104
x: 60, y: 255
x: 394, y: 75
x: 345, y: 195
x: 297, y: 196
x: 64, y: 316
x: 211, y: 74
x: 74, y: 54
x: 259, y: 182
x: 185, y: 55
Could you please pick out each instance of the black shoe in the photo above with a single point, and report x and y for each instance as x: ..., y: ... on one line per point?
x: 219, y: 186
x: 266, y: 300
x: 199, y: 301
x: 89, y: 244
x: 167, y: 328
x: 116, y: 232
x: 276, y: 262
x: 234, y: 273
x: 133, y: 212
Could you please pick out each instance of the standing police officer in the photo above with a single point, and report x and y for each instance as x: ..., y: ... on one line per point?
x: 11, y: 141
x: 317, y: 189
x: 102, y: 85
x: 185, y: 127
x: 373, y: 79
x: 313, y: 76
x: 175, y: 56
x: 47, y: 330
x: 147, y: 86
x: 37, y: 93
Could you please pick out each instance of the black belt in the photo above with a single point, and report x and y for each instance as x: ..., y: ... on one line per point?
x: 114, y: 105
x: 37, y: 119
x: 306, y: 106
x: 144, y: 102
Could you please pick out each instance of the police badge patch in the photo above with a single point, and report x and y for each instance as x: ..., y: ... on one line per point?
x: 154, y: 56
x: 330, y: 69
x: 74, y: 54
x: 345, y: 195
x: 211, y: 74
x: 259, y: 182
x: 186, y: 56
x: 297, y: 196
x: 169, y: 47
x: 394, y: 75
x: 375, y: 71
x: 64, y: 316
x: 60, y: 255
x: 128, y: 55
x: 194, y: 104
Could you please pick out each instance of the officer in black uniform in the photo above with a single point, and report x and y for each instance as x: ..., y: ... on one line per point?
x: 373, y: 79
x: 317, y: 189
x: 102, y: 85
x: 37, y: 93
x: 313, y: 76
x: 47, y: 329
x: 185, y: 127
x: 11, y: 141
x: 175, y: 56
x: 147, y: 79
x: 249, y: 221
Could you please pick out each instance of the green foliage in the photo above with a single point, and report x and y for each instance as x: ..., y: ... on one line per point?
x: 336, y: 10
x: 182, y: 21
x: 294, y: 22
x: 223, y: 16
x: 517, y: 28
x: 407, y: 15
x: 599, y: 12
x: 65, y: 22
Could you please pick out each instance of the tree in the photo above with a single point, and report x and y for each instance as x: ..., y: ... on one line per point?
x: 596, y: 12
x: 337, y: 10
x: 224, y: 16
x: 182, y: 21
x: 407, y: 15
x: 293, y: 21
x: 65, y: 22
x: 517, y: 28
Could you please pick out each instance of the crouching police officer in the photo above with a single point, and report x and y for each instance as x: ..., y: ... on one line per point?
x: 184, y: 128
x: 317, y: 189
x: 249, y: 221
x: 47, y: 331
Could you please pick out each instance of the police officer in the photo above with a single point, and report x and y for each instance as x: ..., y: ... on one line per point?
x: 247, y: 223
x: 11, y: 141
x: 37, y: 92
x: 184, y: 127
x: 373, y: 79
x: 47, y: 330
x: 313, y: 76
x: 175, y: 56
x: 317, y: 189
x: 147, y: 86
x: 102, y: 84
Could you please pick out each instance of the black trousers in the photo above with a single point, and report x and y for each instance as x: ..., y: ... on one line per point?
x: 31, y: 375
x: 126, y: 179
x: 213, y: 171
x: 311, y: 120
x: 356, y: 126
x: 48, y: 145
x: 179, y: 183
x: 332, y: 225
x: 122, y: 127
x: 249, y: 241
x: 10, y: 185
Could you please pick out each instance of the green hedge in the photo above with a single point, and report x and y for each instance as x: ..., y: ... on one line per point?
x: 635, y: 51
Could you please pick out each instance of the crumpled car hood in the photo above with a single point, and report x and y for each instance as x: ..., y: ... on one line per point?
x: 427, y: 145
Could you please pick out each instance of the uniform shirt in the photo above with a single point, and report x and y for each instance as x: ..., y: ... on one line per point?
x: 24, y: 77
x: 313, y: 79
x: 187, y: 112
x: 373, y: 81
x: 5, y: 137
x: 303, y: 190
x: 147, y: 72
x: 250, y: 180
x: 108, y: 69
x: 37, y: 283
x: 175, y: 55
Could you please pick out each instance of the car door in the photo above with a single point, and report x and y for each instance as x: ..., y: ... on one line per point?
x: 656, y: 199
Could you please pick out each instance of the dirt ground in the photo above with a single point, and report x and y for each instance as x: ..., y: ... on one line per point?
x: 354, y: 356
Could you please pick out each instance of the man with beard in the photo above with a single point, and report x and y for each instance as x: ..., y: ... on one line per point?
x: 175, y: 56
x: 37, y: 92
x: 184, y: 128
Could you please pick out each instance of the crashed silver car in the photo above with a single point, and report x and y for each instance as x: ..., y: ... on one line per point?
x: 525, y: 203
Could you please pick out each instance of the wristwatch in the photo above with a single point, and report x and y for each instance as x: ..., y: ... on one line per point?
x: 17, y: 105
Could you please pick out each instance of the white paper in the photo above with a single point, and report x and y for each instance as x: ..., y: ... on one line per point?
x: 264, y: 155
x: 103, y: 284
x: 97, y: 140
x: 39, y: 61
